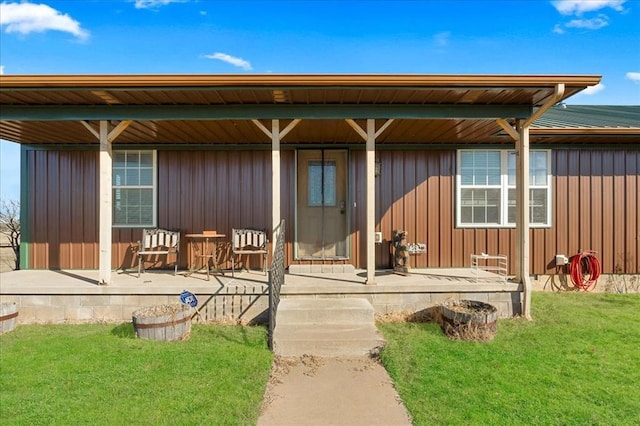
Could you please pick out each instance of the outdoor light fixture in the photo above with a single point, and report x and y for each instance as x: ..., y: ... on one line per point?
x: 378, y: 168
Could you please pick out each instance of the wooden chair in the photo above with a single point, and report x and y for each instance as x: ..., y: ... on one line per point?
x: 248, y: 241
x: 158, y: 242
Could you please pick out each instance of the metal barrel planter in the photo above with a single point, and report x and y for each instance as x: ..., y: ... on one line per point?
x: 8, y: 316
x: 469, y: 320
x: 163, y: 322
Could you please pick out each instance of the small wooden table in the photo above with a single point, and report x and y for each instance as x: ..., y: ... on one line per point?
x: 205, y: 248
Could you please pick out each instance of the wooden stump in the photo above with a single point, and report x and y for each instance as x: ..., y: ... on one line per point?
x: 8, y: 316
x: 469, y: 320
x: 163, y: 322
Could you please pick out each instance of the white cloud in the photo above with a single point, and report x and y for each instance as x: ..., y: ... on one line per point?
x: 151, y: 4
x: 558, y: 29
x: 591, y: 24
x: 26, y: 18
x: 442, y: 39
x: 1, y: 69
x: 633, y: 76
x: 592, y: 90
x: 577, y: 7
x: 237, y: 62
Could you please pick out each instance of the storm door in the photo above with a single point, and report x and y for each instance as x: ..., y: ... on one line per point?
x: 321, y: 204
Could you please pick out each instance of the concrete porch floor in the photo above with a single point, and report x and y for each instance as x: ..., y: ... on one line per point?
x: 154, y: 281
x: 48, y: 296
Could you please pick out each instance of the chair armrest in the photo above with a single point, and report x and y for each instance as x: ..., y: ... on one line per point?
x: 135, y: 246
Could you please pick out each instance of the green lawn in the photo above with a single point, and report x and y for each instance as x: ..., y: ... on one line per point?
x: 100, y: 374
x: 577, y: 362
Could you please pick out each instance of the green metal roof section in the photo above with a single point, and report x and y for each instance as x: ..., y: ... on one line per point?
x: 590, y: 116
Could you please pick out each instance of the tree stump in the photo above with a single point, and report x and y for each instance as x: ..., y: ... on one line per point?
x: 163, y: 322
x: 8, y: 316
x: 469, y: 320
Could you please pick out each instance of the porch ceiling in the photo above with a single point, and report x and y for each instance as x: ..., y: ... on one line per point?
x: 217, y: 109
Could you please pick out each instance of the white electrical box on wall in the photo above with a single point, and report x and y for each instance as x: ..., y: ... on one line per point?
x: 561, y: 260
x: 378, y: 238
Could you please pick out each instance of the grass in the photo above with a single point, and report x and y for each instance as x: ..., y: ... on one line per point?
x: 577, y: 362
x: 100, y: 374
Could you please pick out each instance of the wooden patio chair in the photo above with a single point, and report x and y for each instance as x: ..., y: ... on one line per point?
x: 248, y: 241
x: 158, y: 242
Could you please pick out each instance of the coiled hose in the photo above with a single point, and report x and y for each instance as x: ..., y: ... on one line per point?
x: 585, y: 270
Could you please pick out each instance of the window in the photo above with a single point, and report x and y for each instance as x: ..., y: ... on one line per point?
x: 486, y: 188
x: 134, y: 194
x: 322, y: 183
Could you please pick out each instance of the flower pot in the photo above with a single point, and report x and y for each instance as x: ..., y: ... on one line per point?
x: 469, y: 320
x: 8, y: 317
x: 163, y: 322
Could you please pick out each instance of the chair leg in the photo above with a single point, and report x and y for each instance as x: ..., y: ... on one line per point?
x: 233, y: 265
x: 139, y: 263
x: 264, y: 268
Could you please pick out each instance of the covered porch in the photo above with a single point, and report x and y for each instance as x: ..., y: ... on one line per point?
x: 275, y: 114
x: 74, y: 296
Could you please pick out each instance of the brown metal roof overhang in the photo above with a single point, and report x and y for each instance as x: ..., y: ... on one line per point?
x: 218, y: 109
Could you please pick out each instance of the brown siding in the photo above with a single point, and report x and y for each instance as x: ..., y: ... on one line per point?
x: 595, y: 207
x: 594, y: 195
x: 62, y: 190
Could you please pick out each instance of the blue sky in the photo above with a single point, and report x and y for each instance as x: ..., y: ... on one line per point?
x: 431, y: 37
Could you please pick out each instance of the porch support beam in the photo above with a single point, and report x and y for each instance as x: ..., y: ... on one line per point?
x: 105, y: 203
x: 276, y: 136
x: 275, y: 178
x: 371, y: 201
x: 523, y: 249
x: 522, y: 216
x: 370, y: 136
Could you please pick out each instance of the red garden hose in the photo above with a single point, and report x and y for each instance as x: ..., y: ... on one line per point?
x: 585, y: 270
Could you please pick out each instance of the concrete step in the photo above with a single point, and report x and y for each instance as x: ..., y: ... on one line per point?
x: 326, y: 327
x: 325, y: 311
x: 326, y: 340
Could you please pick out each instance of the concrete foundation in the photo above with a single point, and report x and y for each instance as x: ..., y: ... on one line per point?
x: 75, y: 297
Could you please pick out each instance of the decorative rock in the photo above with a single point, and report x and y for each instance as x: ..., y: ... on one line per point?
x: 163, y: 322
x: 8, y: 315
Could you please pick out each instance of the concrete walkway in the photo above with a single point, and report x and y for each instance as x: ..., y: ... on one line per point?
x: 331, y: 391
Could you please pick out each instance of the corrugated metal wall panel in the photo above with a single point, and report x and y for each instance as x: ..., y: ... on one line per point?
x: 63, y: 205
x: 287, y: 200
x: 594, y: 193
x: 214, y: 190
x: 632, y: 217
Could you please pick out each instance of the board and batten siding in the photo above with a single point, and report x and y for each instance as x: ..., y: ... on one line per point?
x: 595, y: 206
x: 62, y: 191
x: 595, y: 196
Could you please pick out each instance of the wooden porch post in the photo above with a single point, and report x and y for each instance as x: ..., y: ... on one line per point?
x: 275, y: 177
x: 522, y: 214
x: 371, y: 201
x: 276, y: 135
x: 105, y: 202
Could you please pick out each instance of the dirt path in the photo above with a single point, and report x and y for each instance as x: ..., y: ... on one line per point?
x: 331, y: 391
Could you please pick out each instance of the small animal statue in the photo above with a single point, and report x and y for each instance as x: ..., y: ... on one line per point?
x: 401, y: 254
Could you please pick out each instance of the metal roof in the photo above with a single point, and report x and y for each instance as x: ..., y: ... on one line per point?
x: 217, y: 109
x: 590, y: 117
x: 588, y: 124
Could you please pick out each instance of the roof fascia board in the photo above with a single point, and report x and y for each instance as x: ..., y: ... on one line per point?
x: 294, y: 80
x: 247, y: 112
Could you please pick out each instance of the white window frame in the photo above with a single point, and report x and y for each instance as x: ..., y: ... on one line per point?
x: 504, y: 191
x: 153, y: 186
